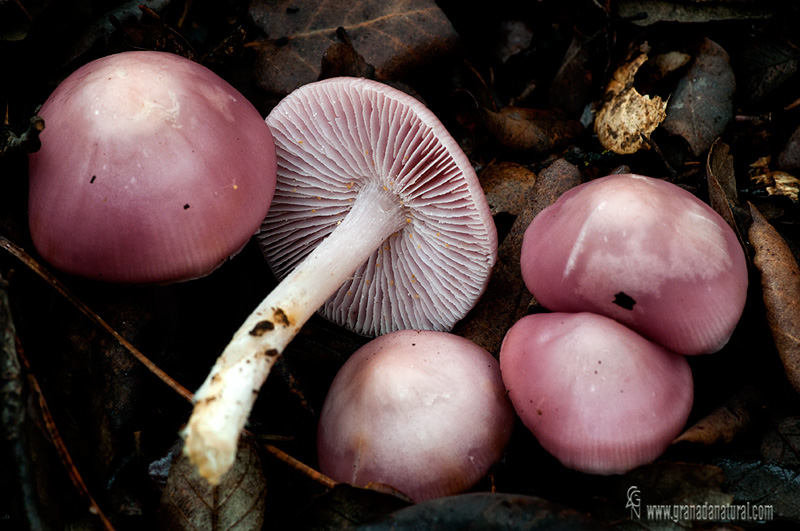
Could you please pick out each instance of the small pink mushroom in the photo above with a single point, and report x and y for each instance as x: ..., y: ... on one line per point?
x: 644, y: 252
x: 597, y: 396
x: 423, y: 411
x: 152, y: 169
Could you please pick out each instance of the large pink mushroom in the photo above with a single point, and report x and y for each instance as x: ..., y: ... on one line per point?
x: 378, y: 216
x: 596, y: 395
x: 425, y: 412
x: 152, y: 169
x: 644, y: 252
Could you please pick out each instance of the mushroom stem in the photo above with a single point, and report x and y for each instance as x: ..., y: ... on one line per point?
x: 224, y: 401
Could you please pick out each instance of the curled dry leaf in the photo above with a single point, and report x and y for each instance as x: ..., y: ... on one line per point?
x: 701, y: 107
x: 727, y: 421
x: 394, y: 37
x: 780, y: 283
x: 722, y: 190
x: 627, y: 118
x: 774, y: 182
x: 534, y: 132
x: 236, y: 504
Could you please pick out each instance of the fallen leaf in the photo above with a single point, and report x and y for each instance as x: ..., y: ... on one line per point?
x: 627, y: 118
x: 778, y: 183
x: 789, y: 157
x: 572, y: 87
x: 515, y: 36
x: 780, y: 283
x: 237, y: 503
x: 723, y: 424
x: 767, y: 62
x: 152, y: 33
x: 506, y: 299
x: 782, y: 445
x: 647, y: 12
x: 507, y: 187
x: 341, y: 59
x: 534, y: 132
x: 701, y: 107
x: 769, y: 487
x: 345, y: 507
x: 394, y: 37
x: 485, y: 511
x: 723, y: 193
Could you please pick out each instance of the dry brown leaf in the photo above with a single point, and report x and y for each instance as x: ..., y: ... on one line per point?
x: 723, y: 193
x: 534, y: 132
x: 627, y: 118
x: 341, y: 59
x: 701, y: 107
x: 572, y: 86
x: 236, y: 504
x: 778, y: 183
x: 789, y: 157
x: 394, y: 37
x: 506, y: 298
x: 507, y: 187
x: 727, y: 421
x: 647, y: 12
x: 780, y: 282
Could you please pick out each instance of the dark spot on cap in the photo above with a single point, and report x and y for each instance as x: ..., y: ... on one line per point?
x: 624, y: 300
x: 538, y: 411
x: 91, y: 181
x: 271, y: 353
x: 186, y: 206
x: 261, y: 328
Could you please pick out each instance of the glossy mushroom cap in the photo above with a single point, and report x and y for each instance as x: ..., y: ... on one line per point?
x: 152, y: 169
x: 338, y: 137
x: 597, y: 396
x: 644, y: 252
x: 423, y: 411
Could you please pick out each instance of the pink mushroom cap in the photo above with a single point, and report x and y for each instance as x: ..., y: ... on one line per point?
x: 596, y: 395
x: 644, y: 252
x: 422, y: 411
x: 153, y: 169
x: 338, y: 137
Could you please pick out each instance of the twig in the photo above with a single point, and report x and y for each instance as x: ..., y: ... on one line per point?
x: 28, y: 261
x: 301, y: 467
x: 48, y: 277
x: 58, y: 443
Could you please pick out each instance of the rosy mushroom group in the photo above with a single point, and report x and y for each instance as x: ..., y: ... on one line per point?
x: 638, y: 271
x: 378, y: 218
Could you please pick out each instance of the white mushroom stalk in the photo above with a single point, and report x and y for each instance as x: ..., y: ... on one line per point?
x: 378, y: 219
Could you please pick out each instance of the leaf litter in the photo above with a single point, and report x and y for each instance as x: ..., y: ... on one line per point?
x: 533, y: 74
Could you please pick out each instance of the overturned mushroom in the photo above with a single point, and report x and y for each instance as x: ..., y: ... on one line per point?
x: 378, y: 212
